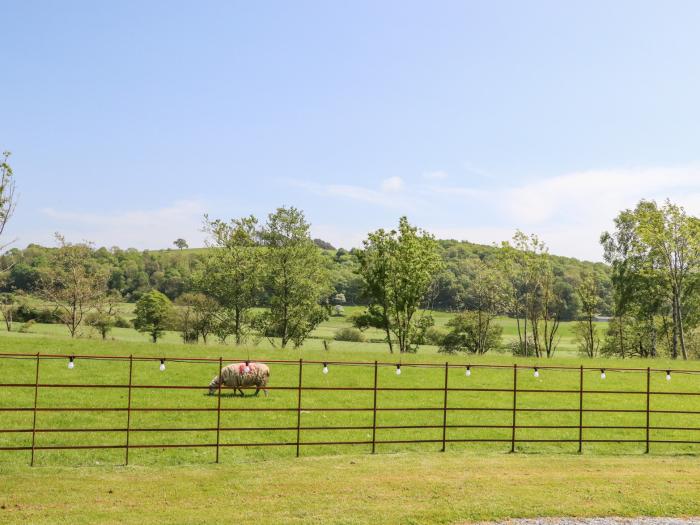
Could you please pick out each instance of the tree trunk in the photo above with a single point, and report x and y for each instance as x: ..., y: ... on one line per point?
x: 680, y: 328
x: 674, y: 346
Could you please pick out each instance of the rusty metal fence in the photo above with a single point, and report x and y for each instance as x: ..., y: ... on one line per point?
x: 513, y: 410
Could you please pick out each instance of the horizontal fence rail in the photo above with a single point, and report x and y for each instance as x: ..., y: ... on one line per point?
x: 518, y: 403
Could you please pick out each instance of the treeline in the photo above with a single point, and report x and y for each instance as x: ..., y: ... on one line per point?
x: 131, y: 273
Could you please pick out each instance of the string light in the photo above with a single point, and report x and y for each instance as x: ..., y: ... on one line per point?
x: 246, y: 368
x: 71, y: 364
x: 162, y: 365
x: 398, y: 370
x: 602, y: 373
x: 468, y: 371
x: 537, y: 373
x: 325, y: 368
x: 668, y: 375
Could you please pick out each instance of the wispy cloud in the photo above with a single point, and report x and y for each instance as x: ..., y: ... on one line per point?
x: 379, y: 196
x: 568, y: 211
x: 155, y: 228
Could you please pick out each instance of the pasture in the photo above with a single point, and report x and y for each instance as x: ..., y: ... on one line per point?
x: 403, y: 482
x: 417, y: 393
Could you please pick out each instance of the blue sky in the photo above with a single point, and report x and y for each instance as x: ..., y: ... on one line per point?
x: 130, y: 120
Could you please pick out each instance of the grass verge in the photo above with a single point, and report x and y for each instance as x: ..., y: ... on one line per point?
x: 409, y: 488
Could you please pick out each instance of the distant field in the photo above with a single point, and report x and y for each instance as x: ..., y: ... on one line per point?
x: 567, y: 344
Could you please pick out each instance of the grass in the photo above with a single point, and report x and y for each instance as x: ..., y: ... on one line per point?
x: 402, y: 483
x: 408, y: 488
x: 178, y: 373
x: 567, y: 345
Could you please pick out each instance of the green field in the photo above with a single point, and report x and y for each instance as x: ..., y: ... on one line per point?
x: 567, y: 346
x: 402, y: 483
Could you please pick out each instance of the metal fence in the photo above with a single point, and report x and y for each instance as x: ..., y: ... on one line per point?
x: 511, y: 430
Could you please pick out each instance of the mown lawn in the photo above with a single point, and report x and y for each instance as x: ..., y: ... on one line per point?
x: 407, y: 488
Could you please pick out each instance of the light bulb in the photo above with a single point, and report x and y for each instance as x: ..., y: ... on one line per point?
x: 668, y: 375
x: 602, y: 374
x: 468, y: 372
x: 398, y: 370
x: 71, y: 364
x: 537, y: 373
x: 325, y: 368
x: 162, y: 365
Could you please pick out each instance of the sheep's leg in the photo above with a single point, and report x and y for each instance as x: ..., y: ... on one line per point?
x: 266, y: 393
x: 242, y: 393
x: 257, y: 391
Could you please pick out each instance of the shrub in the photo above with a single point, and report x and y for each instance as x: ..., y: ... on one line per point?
x: 122, y: 322
x: 518, y: 349
x: 349, y: 334
x: 471, y: 332
x: 434, y: 336
x: 26, y: 327
x: 25, y: 312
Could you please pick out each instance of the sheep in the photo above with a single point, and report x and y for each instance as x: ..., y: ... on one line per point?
x: 236, y: 376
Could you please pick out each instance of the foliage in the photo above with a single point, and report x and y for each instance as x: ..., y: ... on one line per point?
x: 295, y: 278
x: 181, y: 243
x: 174, y: 272
x: 586, y: 330
x: 349, y: 334
x: 73, y: 283
x: 232, y: 274
x: 7, y: 192
x: 153, y: 314
x: 399, y: 270
x: 196, y: 316
x: 472, y: 332
x: 654, y: 252
x: 105, y: 315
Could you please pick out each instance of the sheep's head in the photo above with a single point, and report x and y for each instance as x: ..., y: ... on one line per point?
x: 214, y: 385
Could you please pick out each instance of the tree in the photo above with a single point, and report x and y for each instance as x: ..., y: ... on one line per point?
x: 104, y: 316
x: 8, y: 305
x: 232, y: 273
x: 153, y: 314
x: 525, y: 264
x: 474, y: 330
x: 73, y: 282
x: 180, y: 243
x: 585, y: 330
x: 7, y: 193
x: 471, y: 332
x: 655, y: 255
x: 296, y: 279
x: 400, y: 268
x: 374, y: 267
x: 197, y: 316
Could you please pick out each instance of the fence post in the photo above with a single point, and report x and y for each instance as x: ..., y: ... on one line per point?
x: 301, y: 362
x: 444, y: 409
x: 515, y: 402
x: 218, y: 408
x: 36, y: 396
x: 128, y: 409
x: 580, y: 410
x: 648, y: 400
x: 374, y: 410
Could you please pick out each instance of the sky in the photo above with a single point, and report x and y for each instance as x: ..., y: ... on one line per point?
x: 128, y: 121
